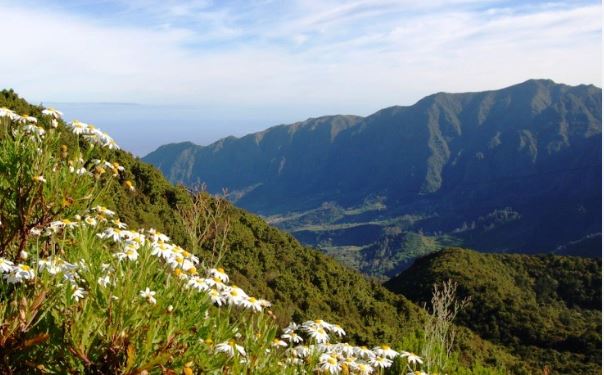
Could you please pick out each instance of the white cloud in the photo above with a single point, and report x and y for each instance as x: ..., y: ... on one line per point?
x: 320, y: 56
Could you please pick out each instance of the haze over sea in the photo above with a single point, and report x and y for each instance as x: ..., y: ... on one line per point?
x: 141, y: 128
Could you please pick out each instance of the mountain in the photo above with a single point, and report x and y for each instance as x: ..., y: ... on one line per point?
x: 516, y: 169
x: 546, y: 308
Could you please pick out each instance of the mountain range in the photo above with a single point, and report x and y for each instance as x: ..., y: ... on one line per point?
x: 510, y: 170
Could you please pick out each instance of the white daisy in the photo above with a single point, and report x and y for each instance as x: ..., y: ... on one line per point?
x: 219, y: 273
x: 292, y: 337
x: 278, y: 343
x: 364, y: 369
x: 6, y: 265
x: 78, y: 293
x: 337, y: 330
x: 104, y: 281
x: 412, y: 358
x: 198, y: 284
x: 19, y: 273
x: 385, y: 351
x: 52, y: 113
x: 317, y: 333
x: 380, y: 362
x: 330, y: 365
x: 234, y: 296
x: 230, y: 348
x: 252, y: 304
x: 216, y: 297
x: 148, y: 294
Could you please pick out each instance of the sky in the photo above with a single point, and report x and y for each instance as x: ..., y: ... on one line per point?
x: 152, y: 72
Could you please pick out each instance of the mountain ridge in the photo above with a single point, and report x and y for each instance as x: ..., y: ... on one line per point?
x: 469, y: 165
x: 232, y: 137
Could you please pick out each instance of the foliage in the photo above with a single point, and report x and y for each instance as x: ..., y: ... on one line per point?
x: 81, y: 293
x: 439, y: 331
x: 545, y: 308
x: 47, y: 323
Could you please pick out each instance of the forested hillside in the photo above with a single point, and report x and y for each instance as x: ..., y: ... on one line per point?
x: 547, y: 309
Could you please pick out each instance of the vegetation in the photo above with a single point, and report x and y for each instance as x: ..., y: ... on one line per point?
x: 89, y: 287
x: 547, y: 309
x: 439, y: 331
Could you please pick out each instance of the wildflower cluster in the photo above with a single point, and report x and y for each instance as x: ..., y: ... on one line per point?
x: 132, y: 300
x: 92, y: 134
x: 339, y: 357
x: 183, y: 264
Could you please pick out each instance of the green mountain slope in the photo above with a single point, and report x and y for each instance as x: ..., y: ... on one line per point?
x: 302, y: 283
x: 546, y: 308
x: 512, y: 169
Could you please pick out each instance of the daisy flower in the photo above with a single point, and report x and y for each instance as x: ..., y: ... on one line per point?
x: 119, y: 224
x: 78, y: 127
x: 292, y: 327
x: 5, y: 265
x: 19, y: 273
x: 78, y: 293
x: 350, y: 363
x: 278, y: 343
x: 198, y: 284
x: 380, y: 362
x: 302, y: 351
x: 330, y: 365
x: 5, y: 112
x: 385, y: 351
x: 131, y: 253
x: 364, y: 369
x: 230, y: 348
x: 148, y: 294
x: 235, y: 296
x: 364, y: 352
x: 412, y: 358
x: 317, y: 333
x: 111, y: 233
x: 292, y: 337
x: 103, y: 211
x: 219, y: 273
x: 104, y: 281
x: 335, y: 328
x: 216, y: 297
x: 252, y: 304
x: 52, y: 113
x: 90, y: 221
x: 69, y: 224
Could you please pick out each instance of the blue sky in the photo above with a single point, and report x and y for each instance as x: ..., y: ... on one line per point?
x: 214, y: 68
